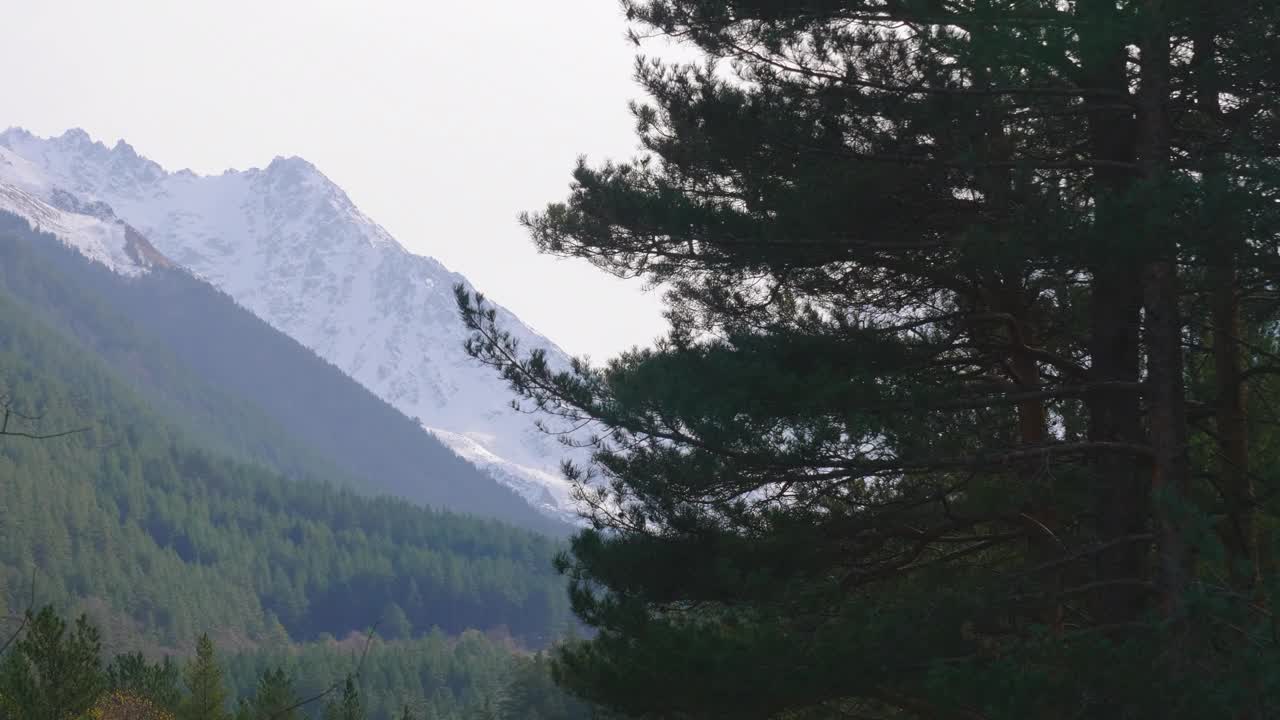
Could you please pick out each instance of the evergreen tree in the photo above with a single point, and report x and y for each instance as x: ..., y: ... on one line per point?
x: 206, y: 691
x: 531, y: 694
x: 442, y: 675
x: 50, y: 673
x: 274, y: 699
x: 928, y: 437
x: 158, y: 682
x: 395, y: 624
x: 348, y: 707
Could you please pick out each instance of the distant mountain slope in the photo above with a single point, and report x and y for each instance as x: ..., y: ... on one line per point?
x: 160, y: 539
x: 289, y: 245
x: 240, y: 386
x: 91, y: 228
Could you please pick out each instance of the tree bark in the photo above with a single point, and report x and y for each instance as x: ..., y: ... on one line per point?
x: 1231, y: 412
x: 1166, y: 398
x: 1121, y: 490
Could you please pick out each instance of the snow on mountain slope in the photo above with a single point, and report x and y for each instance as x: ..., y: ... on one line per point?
x: 92, y: 229
x: 289, y: 245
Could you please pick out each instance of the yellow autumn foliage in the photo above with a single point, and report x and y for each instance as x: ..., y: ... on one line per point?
x: 121, y: 705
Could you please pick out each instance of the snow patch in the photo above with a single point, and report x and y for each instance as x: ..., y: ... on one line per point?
x: 105, y: 241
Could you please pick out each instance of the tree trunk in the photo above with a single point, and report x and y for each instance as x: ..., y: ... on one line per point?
x: 1231, y: 414
x: 1121, y: 490
x: 1167, y: 414
x: 1171, y: 468
x: 1238, y: 533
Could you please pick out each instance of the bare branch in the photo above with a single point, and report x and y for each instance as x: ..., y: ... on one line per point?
x: 337, y: 684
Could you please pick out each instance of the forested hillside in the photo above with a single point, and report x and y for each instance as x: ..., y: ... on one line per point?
x: 152, y: 477
x: 238, y: 385
x: 136, y: 521
x: 166, y: 539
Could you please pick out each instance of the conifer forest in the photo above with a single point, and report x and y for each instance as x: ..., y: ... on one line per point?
x: 968, y: 408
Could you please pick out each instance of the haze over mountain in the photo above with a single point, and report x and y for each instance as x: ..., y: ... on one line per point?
x: 290, y: 246
x: 194, y: 501
x: 237, y: 386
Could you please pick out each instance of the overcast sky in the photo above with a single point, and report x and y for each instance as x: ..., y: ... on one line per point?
x: 441, y: 120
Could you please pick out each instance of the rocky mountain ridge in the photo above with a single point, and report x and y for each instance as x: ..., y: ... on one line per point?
x: 289, y: 245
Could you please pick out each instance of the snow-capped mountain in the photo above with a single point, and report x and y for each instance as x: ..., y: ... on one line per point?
x: 91, y: 228
x: 289, y: 245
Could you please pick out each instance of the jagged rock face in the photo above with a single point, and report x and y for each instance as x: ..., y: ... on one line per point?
x: 290, y: 246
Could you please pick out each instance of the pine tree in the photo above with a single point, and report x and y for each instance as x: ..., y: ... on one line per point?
x: 206, y: 690
x: 395, y: 623
x: 531, y: 694
x: 926, y: 438
x: 158, y: 682
x: 274, y: 698
x: 50, y: 673
x: 348, y: 707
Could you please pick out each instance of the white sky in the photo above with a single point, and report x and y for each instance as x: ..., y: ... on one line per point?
x: 442, y: 120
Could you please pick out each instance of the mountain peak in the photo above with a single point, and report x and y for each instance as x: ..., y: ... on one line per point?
x: 125, y: 149
x: 290, y: 162
x: 14, y: 132
x: 293, y: 170
x: 76, y: 136
x: 289, y: 245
